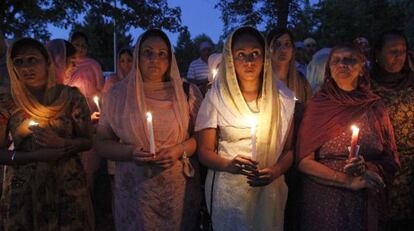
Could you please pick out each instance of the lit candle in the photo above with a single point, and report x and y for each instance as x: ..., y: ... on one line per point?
x: 253, y: 125
x: 33, y: 123
x: 354, y: 141
x: 150, y: 132
x: 96, y: 101
x: 214, y: 71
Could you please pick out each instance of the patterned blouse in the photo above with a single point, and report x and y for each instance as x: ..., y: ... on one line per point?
x: 46, y: 195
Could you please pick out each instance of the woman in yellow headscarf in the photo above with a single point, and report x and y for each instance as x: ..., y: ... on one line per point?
x: 44, y: 186
x: 246, y: 191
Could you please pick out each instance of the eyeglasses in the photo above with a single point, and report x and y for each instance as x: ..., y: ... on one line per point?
x: 252, y: 57
x: 149, y: 54
x: 29, y: 61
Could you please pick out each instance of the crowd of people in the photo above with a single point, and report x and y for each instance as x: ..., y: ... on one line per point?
x: 258, y: 134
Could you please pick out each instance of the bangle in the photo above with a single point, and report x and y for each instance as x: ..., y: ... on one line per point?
x: 13, y: 156
x: 184, y: 156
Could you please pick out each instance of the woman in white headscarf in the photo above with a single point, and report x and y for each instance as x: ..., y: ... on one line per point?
x: 246, y: 191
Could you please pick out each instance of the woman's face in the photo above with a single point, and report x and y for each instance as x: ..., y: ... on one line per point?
x: 393, y: 54
x: 125, y: 63
x: 31, y: 67
x: 282, y: 50
x: 81, y: 47
x: 248, y: 56
x: 153, y: 59
x: 345, y: 66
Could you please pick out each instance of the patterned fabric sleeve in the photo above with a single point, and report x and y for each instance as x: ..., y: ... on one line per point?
x: 80, y: 113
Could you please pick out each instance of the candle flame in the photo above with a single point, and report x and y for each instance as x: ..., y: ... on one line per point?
x: 214, y: 71
x: 96, y: 99
x: 149, y: 116
x: 252, y: 121
x: 354, y: 128
x: 294, y: 98
x: 33, y: 123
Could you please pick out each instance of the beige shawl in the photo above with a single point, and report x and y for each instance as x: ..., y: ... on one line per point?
x: 268, y: 127
x: 54, y: 101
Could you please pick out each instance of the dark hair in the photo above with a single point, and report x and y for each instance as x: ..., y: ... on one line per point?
x: 250, y: 31
x: 379, y: 44
x: 125, y: 50
x: 278, y: 32
x: 27, y: 43
x: 70, y: 49
x: 78, y: 34
x: 157, y: 33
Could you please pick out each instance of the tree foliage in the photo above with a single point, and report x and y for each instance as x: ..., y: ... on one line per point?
x: 30, y: 17
x: 344, y: 20
x: 265, y: 13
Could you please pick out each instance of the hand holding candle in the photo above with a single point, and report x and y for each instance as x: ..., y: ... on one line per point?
x: 150, y: 132
x: 354, y: 142
x: 96, y: 101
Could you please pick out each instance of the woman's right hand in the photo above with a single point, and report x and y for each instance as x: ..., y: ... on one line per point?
x: 369, y: 180
x: 241, y: 165
x: 95, y: 116
x: 140, y: 157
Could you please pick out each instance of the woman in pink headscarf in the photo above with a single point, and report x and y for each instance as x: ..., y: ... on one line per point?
x: 124, y: 66
x: 153, y: 191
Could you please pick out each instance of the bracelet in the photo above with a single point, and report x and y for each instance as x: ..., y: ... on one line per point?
x: 184, y: 156
x: 13, y: 156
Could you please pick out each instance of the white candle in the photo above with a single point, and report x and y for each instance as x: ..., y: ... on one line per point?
x: 96, y: 101
x: 354, y: 141
x: 253, y: 125
x: 33, y: 123
x: 150, y: 132
x: 214, y: 71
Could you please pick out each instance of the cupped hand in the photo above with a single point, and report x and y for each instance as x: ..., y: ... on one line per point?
x: 47, y: 138
x: 355, y: 166
x: 261, y: 177
x: 242, y: 165
x: 141, y: 157
x: 167, y: 157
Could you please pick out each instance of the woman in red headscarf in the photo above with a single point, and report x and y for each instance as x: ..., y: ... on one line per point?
x: 340, y: 192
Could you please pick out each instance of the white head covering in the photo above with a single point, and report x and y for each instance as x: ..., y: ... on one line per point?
x: 316, y: 68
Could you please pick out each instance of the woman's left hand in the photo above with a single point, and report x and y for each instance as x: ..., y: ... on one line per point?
x: 261, y: 177
x: 166, y: 157
x: 47, y: 138
x: 355, y: 166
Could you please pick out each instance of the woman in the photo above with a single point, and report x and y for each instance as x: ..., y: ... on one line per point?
x: 341, y: 193
x: 153, y: 191
x: 394, y: 82
x: 44, y: 186
x: 246, y: 191
x: 124, y: 66
x: 282, y: 53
